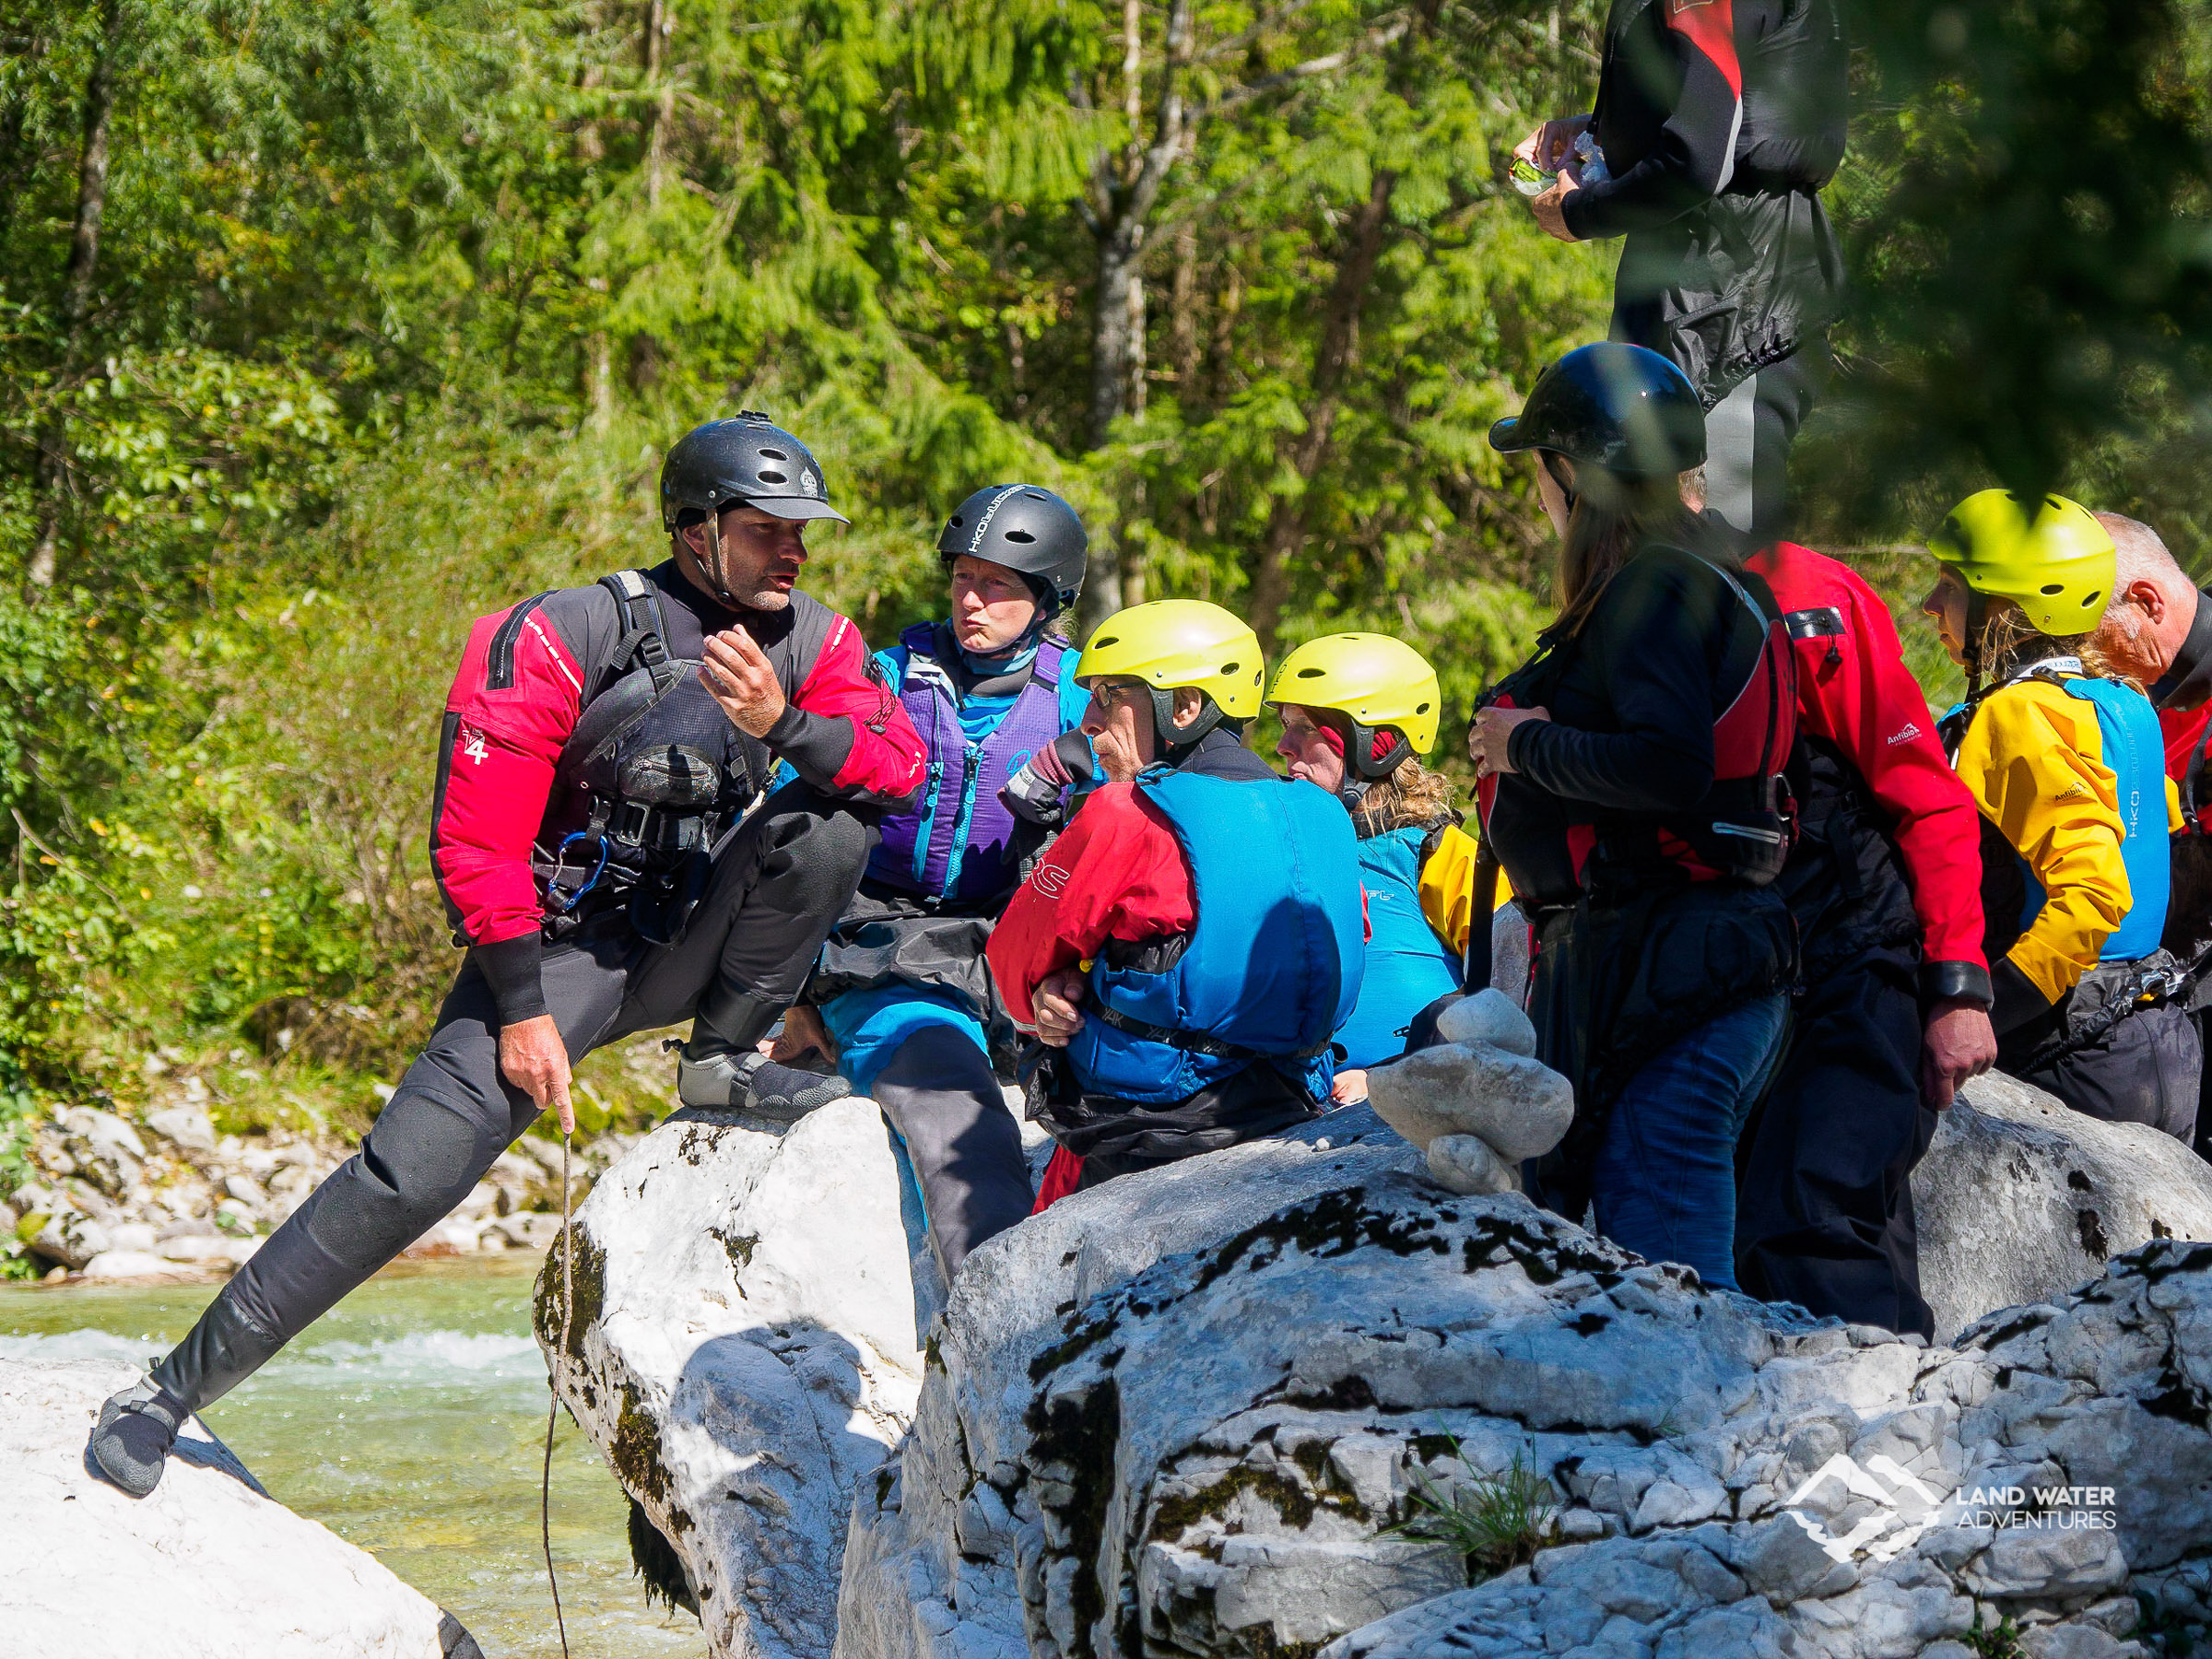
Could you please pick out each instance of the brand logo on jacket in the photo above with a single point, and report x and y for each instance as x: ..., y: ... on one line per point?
x: 472, y: 744
x: 1912, y: 731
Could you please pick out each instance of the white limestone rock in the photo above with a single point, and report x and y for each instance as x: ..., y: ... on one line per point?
x: 207, y: 1566
x: 1488, y: 1016
x: 1519, y: 1105
x: 1218, y: 1456
x: 944, y: 1538
x: 746, y: 1348
x: 2020, y: 1198
x: 188, y: 1129
x: 1464, y: 1164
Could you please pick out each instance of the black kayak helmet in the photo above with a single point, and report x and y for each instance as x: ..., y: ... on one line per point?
x: 1026, y: 529
x: 1622, y: 407
x: 745, y: 461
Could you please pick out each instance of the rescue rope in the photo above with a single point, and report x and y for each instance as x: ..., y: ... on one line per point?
x: 560, y: 1356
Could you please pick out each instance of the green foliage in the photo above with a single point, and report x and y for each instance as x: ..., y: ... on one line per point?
x: 1496, y: 1522
x: 396, y: 304
x: 2000, y: 1640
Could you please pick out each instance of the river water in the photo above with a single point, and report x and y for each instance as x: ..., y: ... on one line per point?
x: 410, y: 1421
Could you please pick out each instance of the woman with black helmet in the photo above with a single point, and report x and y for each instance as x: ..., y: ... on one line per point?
x: 1629, y: 782
x: 900, y: 998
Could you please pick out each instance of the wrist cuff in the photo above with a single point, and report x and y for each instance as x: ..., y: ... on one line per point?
x: 1956, y: 982
x: 510, y: 968
x: 2016, y: 1000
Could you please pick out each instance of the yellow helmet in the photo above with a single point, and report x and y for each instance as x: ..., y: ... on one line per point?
x: 2058, y: 566
x: 1173, y: 642
x: 1375, y: 682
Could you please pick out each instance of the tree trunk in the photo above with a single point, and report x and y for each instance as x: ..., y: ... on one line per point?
x: 1183, y: 315
x: 659, y: 21
x: 1339, y: 335
x: 76, y: 293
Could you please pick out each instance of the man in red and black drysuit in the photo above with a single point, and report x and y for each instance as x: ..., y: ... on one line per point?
x: 1720, y: 121
x: 1891, y: 1014
x: 600, y: 749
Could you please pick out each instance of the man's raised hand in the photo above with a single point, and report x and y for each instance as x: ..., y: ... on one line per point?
x: 739, y: 675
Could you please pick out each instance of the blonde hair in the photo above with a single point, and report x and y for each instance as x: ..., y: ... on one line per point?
x: 2010, y: 642
x: 1412, y: 795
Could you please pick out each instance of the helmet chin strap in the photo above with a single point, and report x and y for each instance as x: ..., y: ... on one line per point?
x: 1167, y: 735
x: 715, y: 572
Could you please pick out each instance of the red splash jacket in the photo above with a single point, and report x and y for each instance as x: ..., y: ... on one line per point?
x: 1855, y: 691
x: 529, y: 672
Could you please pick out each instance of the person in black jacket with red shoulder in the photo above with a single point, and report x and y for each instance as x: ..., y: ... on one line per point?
x: 1630, y: 784
x: 1717, y: 125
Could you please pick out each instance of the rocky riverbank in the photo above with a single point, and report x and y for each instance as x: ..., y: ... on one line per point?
x: 163, y: 1195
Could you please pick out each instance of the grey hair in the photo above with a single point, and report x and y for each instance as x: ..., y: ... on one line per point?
x: 2140, y: 554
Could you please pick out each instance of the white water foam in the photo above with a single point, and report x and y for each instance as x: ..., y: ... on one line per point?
x: 423, y: 1357
x: 83, y: 1344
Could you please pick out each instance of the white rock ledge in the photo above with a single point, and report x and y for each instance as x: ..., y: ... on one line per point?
x: 207, y: 1566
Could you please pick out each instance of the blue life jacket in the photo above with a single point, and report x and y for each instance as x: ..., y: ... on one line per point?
x: 1273, y: 963
x: 956, y: 840
x: 2134, y: 753
x: 1407, y: 966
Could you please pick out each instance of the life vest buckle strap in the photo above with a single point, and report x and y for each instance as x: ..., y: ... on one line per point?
x: 1194, y: 1042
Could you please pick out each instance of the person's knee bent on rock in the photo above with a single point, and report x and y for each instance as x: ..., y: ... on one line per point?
x: 1890, y: 1012
x: 1191, y: 943
x: 2158, y: 631
x: 2067, y: 766
x: 1357, y: 711
x: 1714, y: 131
x: 600, y: 747
x: 901, y: 999
x: 1628, y: 776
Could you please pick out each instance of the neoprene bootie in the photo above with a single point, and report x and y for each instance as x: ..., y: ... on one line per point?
x: 136, y: 1429
x: 711, y: 1074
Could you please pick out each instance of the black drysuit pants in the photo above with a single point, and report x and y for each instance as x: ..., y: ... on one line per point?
x: 779, y: 881
x: 1824, y: 1218
x: 942, y: 1099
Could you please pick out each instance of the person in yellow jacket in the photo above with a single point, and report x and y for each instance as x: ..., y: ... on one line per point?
x: 2066, y: 764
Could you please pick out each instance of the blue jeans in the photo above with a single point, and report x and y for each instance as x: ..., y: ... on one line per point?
x: 1664, y: 1181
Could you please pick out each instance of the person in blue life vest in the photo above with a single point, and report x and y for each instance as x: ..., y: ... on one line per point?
x: 1193, y: 941
x: 2067, y: 763
x: 901, y: 999
x: 1357, y: 711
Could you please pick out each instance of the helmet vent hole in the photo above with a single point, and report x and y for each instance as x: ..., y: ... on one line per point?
x: 775, y: 455
x: 2091, y: 600
x: 1107, y: 644
x: 1421, y: 707
x: 1036, y: 495
x: 1019, y: 535
x: 773, y: 477
x: 1309, y: 674
x: 2054, y: 587
x: 1229, y: 667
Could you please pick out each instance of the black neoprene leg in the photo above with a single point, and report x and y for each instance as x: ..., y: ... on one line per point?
x: 1825, y: 1214
x: 941, y: 1099
x: 451, y: 1116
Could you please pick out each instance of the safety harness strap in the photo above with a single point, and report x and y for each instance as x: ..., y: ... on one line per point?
x: 644, y: 632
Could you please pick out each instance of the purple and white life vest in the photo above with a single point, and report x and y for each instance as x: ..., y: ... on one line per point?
x: 957, y: 841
